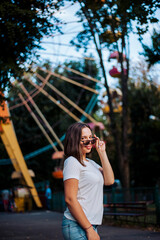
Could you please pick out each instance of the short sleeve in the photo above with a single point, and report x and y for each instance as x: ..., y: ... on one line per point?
x: 72, y: 168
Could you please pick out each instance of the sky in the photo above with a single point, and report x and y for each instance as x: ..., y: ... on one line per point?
x: 57, y: 49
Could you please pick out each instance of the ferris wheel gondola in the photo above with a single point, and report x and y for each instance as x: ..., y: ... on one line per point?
x: 58, y: 157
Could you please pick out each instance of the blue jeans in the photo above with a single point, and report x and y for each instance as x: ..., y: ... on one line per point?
x: 73, y: 231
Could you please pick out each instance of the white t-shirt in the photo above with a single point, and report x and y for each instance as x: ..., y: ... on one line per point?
x: 90, y: 188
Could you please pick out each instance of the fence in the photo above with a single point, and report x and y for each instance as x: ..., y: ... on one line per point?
x: 58, y: 202
x: 152, y: 195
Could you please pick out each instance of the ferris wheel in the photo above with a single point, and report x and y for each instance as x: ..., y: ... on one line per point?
x: 28, y: 100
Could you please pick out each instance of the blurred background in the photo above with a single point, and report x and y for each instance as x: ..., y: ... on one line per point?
x: 90, y: 61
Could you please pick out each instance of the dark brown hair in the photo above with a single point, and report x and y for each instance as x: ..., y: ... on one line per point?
x: 72, y: 141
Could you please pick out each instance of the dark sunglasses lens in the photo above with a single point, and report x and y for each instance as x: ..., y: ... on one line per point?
x: 93, y: 141
x: 85, y: 143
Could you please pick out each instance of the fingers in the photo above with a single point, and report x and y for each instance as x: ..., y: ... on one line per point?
x: 97, y: 140
x: 96, y: 136
x: 99, y: 143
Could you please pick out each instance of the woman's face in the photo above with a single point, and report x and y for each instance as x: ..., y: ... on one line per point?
x: 86, y: 135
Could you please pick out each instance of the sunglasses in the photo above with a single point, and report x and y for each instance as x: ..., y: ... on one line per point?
x: 87, y: 142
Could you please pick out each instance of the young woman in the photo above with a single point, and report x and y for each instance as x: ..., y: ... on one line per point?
x: 83, y: 183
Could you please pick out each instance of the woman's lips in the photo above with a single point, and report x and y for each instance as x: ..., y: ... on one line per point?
x: 89, y: 147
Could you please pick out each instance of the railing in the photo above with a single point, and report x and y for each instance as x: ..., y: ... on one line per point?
x: 114, y: 195
x: 58, y: 202
x: 135, y: 195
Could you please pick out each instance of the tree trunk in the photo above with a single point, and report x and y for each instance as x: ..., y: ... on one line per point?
x: 125, y: 162
x: 121, y: 147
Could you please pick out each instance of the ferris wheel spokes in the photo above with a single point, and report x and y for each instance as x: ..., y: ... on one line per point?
x: 41, y: 115
x: 54, y: 100
x: 37, y: 121
x: 70, y: 81
x: 83, y: 75
x: 67, y: 99
x: 32, y: 93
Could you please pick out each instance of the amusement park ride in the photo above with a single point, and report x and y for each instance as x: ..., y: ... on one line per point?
x: 9, y: 139
x: 8, y: 135
x: 116, y: 93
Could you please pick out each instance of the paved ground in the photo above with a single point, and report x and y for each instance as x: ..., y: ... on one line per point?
x: 46, y: 225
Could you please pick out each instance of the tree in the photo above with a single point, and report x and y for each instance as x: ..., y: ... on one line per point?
x: 152, y: 53
x: 108, y: 25
x: 22, y: 25
x: 144, y: 107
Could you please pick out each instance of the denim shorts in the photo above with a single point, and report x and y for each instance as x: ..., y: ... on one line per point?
x: 73, y: 231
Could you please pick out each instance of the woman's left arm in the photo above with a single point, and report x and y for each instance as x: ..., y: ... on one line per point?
x: 106, y: 166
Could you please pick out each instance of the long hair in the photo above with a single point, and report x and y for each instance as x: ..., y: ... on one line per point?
x: 72, y: 141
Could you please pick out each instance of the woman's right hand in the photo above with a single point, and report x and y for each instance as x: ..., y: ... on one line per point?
x: 92, y: 234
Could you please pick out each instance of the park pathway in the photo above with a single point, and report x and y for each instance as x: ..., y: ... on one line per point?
x: 46, y: 225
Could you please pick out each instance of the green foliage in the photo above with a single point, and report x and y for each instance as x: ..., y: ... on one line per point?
x: 112, y: 20
x: 152, y: 53
x: 23, y: 24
